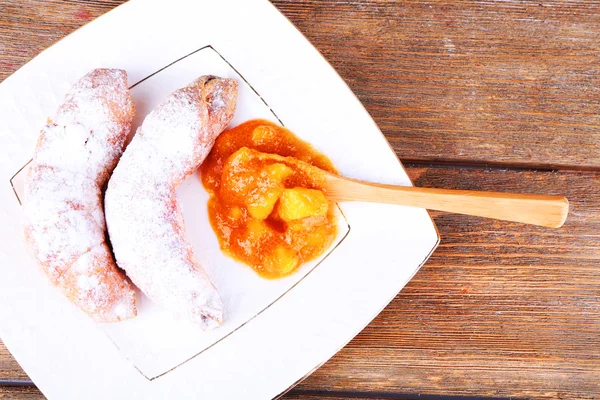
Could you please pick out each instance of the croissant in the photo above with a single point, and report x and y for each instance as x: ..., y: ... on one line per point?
x: 144, y: 220
x: 63, y: 213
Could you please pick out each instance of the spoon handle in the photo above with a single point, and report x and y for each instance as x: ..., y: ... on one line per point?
x: 543, y: 210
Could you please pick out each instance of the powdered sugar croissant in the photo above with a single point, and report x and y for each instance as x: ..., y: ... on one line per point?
x: 143, y: 217
x: 64, y: 219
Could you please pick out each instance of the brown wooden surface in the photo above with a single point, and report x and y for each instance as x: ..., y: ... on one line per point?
x: 20, y: 393
x: 501, y: 309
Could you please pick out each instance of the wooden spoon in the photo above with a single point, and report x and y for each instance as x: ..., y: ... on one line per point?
x: 543, y: 210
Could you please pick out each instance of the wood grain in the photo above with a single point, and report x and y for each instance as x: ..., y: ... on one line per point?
x: 488, y: 82
x: 303, y: 395
x: 501, y: 309
x: 28, y: 27
x: 484, y: 82
x: 20, y: 393
x: 9, y: 368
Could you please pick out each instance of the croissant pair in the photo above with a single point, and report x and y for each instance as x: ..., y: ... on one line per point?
x: 67, y: 224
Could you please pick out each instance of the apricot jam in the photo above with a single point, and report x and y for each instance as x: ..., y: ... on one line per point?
x: 266, y: 213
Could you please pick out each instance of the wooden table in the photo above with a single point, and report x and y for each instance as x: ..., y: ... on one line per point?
x: 500, y: 95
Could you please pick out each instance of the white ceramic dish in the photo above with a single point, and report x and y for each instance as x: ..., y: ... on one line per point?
x: 155, y: 342
x: 275, y: 332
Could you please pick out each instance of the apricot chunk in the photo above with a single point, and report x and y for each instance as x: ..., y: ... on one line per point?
x: 260, y: 203
x: 269, y: 186
x: 278, y: 172
x: 282, y: 260
x: 300, y: 203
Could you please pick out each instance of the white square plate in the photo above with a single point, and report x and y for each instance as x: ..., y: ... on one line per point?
x: 155, y: 342
x: 276, y: 332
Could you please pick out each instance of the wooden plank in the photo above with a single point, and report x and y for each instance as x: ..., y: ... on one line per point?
x: 467, y: 81
x: 28, y: 27
x: 294, y: 395
x: 500, y: 309
x: 20, y: 393
x: 9, y: 368
x: 32, y: 393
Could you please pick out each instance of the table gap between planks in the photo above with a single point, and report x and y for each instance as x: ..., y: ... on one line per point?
x: 490, y: 95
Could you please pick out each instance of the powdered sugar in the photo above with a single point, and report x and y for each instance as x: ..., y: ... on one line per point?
x: 86, y: 283
x: 64, y: 220
x: 144, y: 221
x: 98, y: 289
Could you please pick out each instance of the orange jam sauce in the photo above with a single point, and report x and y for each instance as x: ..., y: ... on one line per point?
x: 266, y: 213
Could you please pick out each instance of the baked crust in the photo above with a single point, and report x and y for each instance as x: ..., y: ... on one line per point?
x: 64, y: 218
x: 143, y: 217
